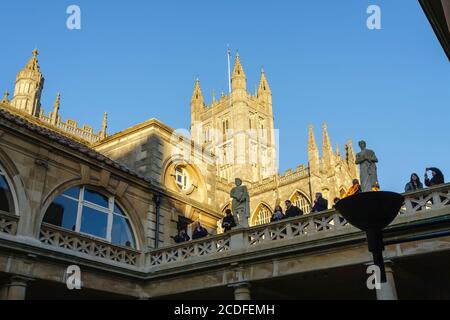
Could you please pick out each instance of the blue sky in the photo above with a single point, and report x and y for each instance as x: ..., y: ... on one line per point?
x: 139, y: 60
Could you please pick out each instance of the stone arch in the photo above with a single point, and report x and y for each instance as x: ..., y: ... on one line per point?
x: 134, y: 218
x: 15, y: 182
x: 261, y: 215
x: 301, y: 200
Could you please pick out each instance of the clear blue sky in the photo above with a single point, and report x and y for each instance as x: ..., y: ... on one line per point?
x: 139, y: 59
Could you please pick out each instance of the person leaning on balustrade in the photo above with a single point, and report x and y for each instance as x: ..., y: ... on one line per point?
x: 228, y: 221
x: 277, y: 215
x: 320, y: 204
x: 354, y: 189
x: 414, y: 183
x: 437, y: 177
x: 291, y: 210
x: 199, y: 232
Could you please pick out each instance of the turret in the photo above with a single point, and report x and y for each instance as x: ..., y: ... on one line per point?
x: 238, y: 79
x: 197, y: 100
x: 313, y: 152
x: 5, y: 97
x: 327, y: 150
x: 264, y: 93
x: 103, y: 134
x: 350, y: 159
x: 28, y: 88
x: 55, y: 114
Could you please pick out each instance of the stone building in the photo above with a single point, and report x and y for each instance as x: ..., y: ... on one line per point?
x: 233, y: 137
x: 110, y: 204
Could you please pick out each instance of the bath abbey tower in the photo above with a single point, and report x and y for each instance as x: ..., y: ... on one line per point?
x: 233, y: 137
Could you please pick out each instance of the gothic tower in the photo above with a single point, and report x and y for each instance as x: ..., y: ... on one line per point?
x: 28, y: 88
x: 238, y: 129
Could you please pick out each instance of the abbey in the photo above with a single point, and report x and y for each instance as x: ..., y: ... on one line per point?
x: 110, y: 204
x: 233, y: 137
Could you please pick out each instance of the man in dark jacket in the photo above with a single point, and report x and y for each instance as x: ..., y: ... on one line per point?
x: 181, y: 237
x: 320, y: 204
x: 228, y: 222
x: 199, y: 232
x: 291, y: 210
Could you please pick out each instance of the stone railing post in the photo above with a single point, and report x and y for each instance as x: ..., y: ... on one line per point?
x: 241, y: 291
x: 15, y: 288
x: 388, y: 290
x: 237, y: 239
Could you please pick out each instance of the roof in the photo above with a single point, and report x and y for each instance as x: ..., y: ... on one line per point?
x: 438, y: 14
x: 68, y: 142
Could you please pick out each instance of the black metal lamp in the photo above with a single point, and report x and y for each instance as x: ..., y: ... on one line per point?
x: 372, y: 212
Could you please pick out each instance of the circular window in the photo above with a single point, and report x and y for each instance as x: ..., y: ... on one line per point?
x: 182, y: 178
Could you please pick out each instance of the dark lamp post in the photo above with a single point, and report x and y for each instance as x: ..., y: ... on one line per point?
x: 372, y: 212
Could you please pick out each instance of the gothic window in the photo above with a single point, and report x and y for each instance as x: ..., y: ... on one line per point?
x: 6, y: 195
x: 181, y: 178
x: 302, y: 202
x: 86, y: 211
x: 262, y: 215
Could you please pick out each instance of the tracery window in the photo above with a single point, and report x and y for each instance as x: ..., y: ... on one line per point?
x: 300, y: 201
x: 262, y: 215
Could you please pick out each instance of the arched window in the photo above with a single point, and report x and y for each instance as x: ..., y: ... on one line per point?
x: 300, y: 201
x: 88, y: 212
x: 6, y: 194
x: 262, y: 215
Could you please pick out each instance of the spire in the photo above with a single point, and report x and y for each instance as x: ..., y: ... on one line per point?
x: 197, y: 97
x: 29, y: 86
x: 326, y: 143
x: 33, y: 62
x: 327, y: 149
x: 264, y: 87
x: 55, y: 114
x: 238, y: 78
x: 313, y: 151
x: 338, y: 152
x: 350, y: 158
x: 5, y: 97
x: 312, y: 145
x: 104, y: 126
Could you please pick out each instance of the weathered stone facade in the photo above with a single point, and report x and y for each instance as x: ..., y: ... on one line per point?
x: 233, y: 137
x: 154, y: 179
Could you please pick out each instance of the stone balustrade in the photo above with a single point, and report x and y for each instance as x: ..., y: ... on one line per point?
x: 8, y: 223
x: 418, y: 205
x: 318, y: 224
x: 64, y: 239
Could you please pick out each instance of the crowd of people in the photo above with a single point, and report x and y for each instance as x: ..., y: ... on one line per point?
x: 320, y: 204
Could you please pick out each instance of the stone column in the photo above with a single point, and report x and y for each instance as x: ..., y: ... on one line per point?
x: 388, y: 290
x: 242, y: 291
x: 15, y: 288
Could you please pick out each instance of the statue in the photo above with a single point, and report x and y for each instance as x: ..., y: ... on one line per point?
x: 368, y: 169
x: 241, y: 203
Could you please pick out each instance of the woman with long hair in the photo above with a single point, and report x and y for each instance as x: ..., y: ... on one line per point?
x: 414, y: 183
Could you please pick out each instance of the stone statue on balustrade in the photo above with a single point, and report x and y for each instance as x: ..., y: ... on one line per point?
x: 367, y: 161
x: 241, y: 203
